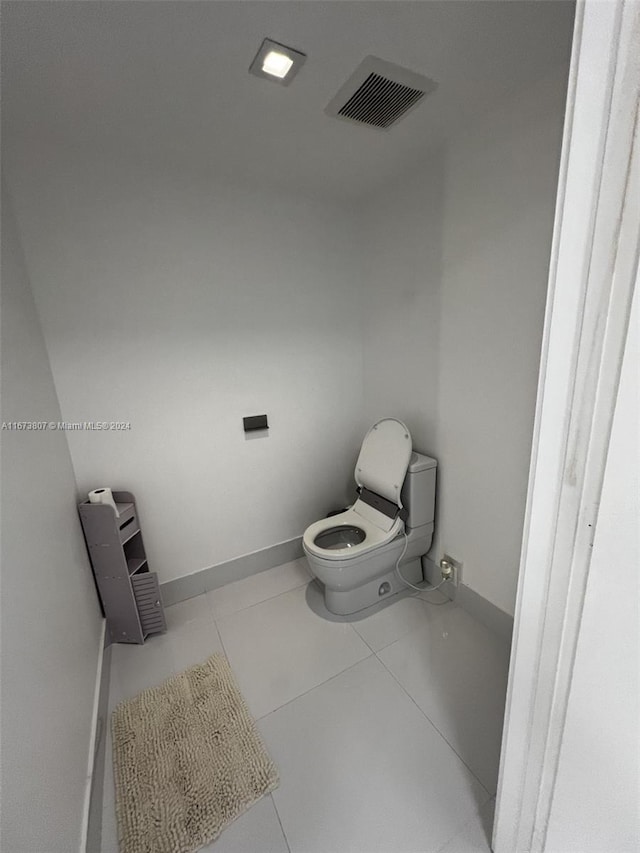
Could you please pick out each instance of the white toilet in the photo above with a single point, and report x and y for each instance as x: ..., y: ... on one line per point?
x: 354, y: 554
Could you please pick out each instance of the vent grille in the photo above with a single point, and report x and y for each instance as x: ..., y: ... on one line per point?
x: 379, y: 93
x: 380, y: 101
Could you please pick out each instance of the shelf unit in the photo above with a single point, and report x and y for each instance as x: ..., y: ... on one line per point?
x: 129, y: 591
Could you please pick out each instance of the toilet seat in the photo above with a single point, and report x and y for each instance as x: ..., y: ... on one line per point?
x: 377, y: 529
x: 380, y: 472
x: 384, y: 459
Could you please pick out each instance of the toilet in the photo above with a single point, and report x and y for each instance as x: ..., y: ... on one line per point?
x: 354, y: 553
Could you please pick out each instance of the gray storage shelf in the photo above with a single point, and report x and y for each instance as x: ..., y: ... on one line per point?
x: 129, y: 592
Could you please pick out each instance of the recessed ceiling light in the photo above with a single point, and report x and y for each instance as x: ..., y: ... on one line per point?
x: 277, y: 62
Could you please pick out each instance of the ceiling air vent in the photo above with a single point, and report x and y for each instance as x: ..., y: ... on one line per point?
x: 379, y: 93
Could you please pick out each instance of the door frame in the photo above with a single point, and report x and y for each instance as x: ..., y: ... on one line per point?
x: 594, y: 266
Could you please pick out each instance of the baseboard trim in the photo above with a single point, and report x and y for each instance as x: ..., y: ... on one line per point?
x: 92, y: 826
x: 93, y: 738
x: 188, y: 586
x: 475, y: 604
x: 214, y: 577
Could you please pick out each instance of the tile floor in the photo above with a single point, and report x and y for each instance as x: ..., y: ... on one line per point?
x: 385, y: 728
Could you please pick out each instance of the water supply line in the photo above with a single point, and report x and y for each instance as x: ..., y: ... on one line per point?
x: 412, y: 586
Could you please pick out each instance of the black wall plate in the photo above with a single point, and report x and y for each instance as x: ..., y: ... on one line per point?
x: 254, y: 422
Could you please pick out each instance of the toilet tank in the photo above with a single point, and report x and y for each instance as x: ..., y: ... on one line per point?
x: 419, y: 490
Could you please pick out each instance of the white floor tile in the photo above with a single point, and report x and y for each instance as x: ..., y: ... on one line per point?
x: 191, y: 637
x: 193, y: 642
x: 135, y: 668
x: 392, y: 622
x: 456, y: 670
x: 475, y: 837
x: 256, y: 831
x: 361, y: 767
x: 281, y: 648
x: 187, y: 611
x: 363, y: 770
x: 236, y: 596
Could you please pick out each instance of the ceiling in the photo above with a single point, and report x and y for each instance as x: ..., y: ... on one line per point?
x: 168, y: 83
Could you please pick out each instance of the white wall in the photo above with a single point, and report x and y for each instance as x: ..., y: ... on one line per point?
x: 50, y: 617
x: 595, y: 807
x: 402, y: 252
x: 456, y: 288
x: 208, y: 303
x: 181, y: 307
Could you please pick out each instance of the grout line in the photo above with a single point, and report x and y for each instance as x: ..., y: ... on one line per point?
x: 392, y: 643
x: 224, y: 648
x: 284, y: 834
x: 396, y: 640
x: 402, y: 636
x: 262, y: 601
x: 373, y: 651
x: 256, y: 603
x: 430, y: 721
x: 321, y: 684
x: 210, y: 620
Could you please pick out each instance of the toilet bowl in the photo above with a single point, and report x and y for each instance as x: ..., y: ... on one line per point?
x: 354, y: 554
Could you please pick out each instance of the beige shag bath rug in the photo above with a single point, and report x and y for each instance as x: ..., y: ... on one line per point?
x: 188, y: 760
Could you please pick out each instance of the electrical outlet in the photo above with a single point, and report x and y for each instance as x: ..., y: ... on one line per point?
x: 456, y: 565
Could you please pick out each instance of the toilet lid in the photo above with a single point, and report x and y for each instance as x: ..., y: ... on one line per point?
x: 384, y: 459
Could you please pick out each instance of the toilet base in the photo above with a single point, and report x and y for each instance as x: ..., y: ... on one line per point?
x: 344, y: 602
